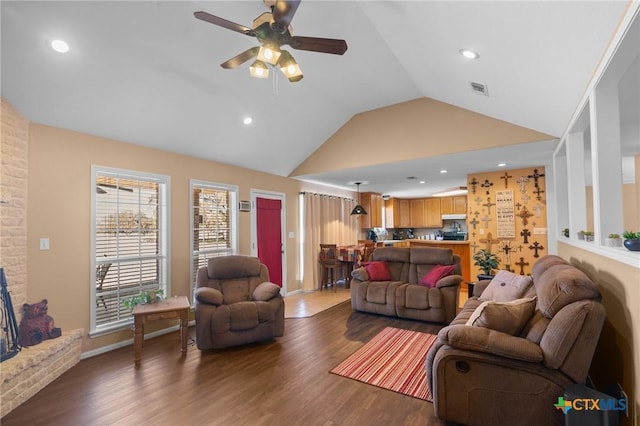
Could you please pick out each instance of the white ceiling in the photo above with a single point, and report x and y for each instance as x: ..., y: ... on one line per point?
x: 148, y: 73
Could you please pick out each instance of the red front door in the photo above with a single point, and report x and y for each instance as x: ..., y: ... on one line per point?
x: 269, y: 234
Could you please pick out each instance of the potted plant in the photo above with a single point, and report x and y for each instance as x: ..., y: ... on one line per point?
x: 588, y: 235
x: 580, y: 235
x: 142, y: 298
x: 565, y: 232
x: 487, y: 262
x: 613, y: 240
x: 632, y: 240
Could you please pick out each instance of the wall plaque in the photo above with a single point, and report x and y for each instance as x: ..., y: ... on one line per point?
x: 506, y: 218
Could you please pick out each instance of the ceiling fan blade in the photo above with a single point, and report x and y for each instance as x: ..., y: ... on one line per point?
x: 316, y: 44
x: 241, y: 58
x: 212, y: 19
x: 284, y: 10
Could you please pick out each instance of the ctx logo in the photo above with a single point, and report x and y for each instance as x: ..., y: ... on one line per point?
x: 590, y: 404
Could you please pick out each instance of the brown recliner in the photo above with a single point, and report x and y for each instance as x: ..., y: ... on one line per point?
x: 236, y: 304
x: 480, y: 376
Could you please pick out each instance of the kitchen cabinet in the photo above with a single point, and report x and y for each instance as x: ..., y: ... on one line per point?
x: 405, y: 214
x: 372, y: 203
x: 397, y: 213
x: 454, y: 205
x: 417, y: 213
x: 425, y: 213
x: 432, y: 213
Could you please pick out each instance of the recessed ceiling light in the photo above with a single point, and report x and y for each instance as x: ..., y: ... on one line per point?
x: 443, y: 171
x: 502, y: 164
x: 469, y: 54
x: 422, y: 181
x: 247, y: 120
x: 60, y: 46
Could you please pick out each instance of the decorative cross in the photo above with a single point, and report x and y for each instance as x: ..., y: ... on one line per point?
x: 525, y: 198
x: 508, y: 268
x: 538, y: 193
x: 486, y: 219
x: 489, y: 241
x: 526, y: 234
x: 535, y: 247
x: 507, y: 249
x: 489, y: 204
x: 473, y: 184
x: 535, y: 177
x: 518, y: 205
x: 522, y: 264
x: 524, y: 214
x: 486, y: 185
x: 538, y: 209
x: 474, y: 223
x: 506, y: 178
x: 476, y: 213
x: 523, y: 181
x: 478, y: 200
x: 474, y: 246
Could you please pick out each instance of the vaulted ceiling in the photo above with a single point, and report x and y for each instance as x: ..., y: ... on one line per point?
x: 149, y: 73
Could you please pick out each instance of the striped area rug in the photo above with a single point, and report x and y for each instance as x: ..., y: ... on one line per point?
x: 393, y: 360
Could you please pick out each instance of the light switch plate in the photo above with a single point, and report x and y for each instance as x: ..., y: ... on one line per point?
x: 292, y: 234
x: 539, y: 231
x: 44, y: 244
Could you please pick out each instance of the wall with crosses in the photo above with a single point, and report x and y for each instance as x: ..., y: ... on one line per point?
x: 508, y: 217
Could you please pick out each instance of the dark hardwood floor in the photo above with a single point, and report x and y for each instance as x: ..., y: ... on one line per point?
x: 286, y: 382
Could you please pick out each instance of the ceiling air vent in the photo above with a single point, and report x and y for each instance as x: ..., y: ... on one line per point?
x: 479, y: 89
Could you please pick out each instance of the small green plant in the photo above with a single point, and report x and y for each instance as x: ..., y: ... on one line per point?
x: 614, y: 236
x: 630, y: 235
x: 565, y: 232
x: 142, y: 298
x: 486, y: 261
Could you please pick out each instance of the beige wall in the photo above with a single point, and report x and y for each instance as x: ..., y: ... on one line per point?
x: 59, y: 200
x: 420, y: 128
x: 617, y: 358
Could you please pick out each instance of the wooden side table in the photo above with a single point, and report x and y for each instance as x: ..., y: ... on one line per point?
x: 176, y: 307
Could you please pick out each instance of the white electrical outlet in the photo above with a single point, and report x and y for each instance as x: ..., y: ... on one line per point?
x: 44, y: 244
x: 292, y: 234
x: 481, y: 232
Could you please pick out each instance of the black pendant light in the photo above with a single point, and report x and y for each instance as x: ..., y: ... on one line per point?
x: 358, y: 209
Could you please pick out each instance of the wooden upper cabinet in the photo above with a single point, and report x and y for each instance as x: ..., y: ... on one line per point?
x: 405, y: 214
x: 417, y: 213
x: 433, y: 213
x: 453, y: 205
x: 397, y: 213
x: 372, y: 203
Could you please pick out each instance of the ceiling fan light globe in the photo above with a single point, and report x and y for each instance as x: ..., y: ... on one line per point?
x: 259, y: 70
x: 269, y: 54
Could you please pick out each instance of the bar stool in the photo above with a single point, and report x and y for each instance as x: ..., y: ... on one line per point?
x: 329, y: 265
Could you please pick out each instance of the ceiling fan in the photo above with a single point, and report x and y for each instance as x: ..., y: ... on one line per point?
x: 273, y: 30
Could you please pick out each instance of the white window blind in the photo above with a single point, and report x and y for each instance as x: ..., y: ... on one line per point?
x: 213, y: 223
x: 129, y: 241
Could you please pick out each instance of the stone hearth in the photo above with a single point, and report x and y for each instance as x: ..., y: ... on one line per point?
x: 34, y: 367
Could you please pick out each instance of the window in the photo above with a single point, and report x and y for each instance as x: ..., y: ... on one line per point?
x: 213, y: 223
x: 129, y: 242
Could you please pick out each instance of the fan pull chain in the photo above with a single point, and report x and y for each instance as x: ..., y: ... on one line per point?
x: 275, y: 83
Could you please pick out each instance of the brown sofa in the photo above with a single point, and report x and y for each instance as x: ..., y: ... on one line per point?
x: 236, y: 304
x: 480, y: 376
x: 402, y: 296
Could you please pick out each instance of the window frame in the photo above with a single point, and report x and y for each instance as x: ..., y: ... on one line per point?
x: 233, y: 224
x: 163, y: 242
